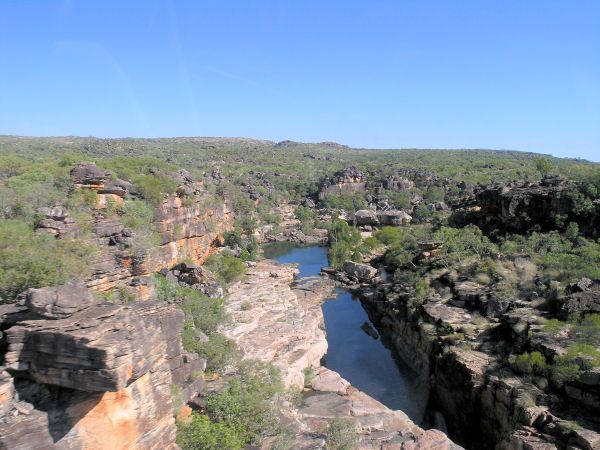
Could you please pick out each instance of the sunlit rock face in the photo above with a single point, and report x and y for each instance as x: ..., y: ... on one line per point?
x: 190, y: 225
x: 348, y: 180
x: 96, y: 376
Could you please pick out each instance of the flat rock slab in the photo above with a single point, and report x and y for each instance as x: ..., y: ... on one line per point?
x: 274, y: 323
x: 326, y: 380
x: 326, y: 405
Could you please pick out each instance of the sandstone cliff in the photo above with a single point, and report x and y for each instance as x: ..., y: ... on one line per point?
x: 83, y: 374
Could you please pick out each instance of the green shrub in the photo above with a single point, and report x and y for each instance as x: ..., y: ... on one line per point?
x: 344, y: 243
x: 342, y: 435
x: 346, y: 201
x: 434, y: 194
x: 204, y: 434
x: 152, y: 187
x: 247, y: 402
x: 225, y: 267
x: 529, y: 363
x: 136, y: 214
x: 33, y: 260
x: 588, y: 329
x: 579, y: 357
x: 554, y: 325
x: 304, y: 214
x: 543, y: 165
x: 219, y: 351
x: 309, y: 373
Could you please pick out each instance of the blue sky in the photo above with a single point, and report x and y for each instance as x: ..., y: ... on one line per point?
x: 521, y: 75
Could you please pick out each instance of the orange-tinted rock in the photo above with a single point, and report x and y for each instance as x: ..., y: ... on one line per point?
x: 190, y: 229
x: 96, y: 378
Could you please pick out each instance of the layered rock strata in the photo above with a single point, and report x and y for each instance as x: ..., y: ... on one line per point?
x: 349, y: 180
x: 91, y: 375
x: 485, y: 404
x: 190, y: 224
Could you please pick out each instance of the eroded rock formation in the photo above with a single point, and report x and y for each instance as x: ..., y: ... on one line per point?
x: 190, y: 223
x: 350, y: 180
x: 463, y: 343
x: 549, y: 204
x: 84, y: 374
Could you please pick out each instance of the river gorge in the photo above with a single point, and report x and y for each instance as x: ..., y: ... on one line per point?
x: 355, y: 349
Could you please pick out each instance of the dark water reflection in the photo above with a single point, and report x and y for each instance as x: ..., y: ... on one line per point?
x: 364, y: 361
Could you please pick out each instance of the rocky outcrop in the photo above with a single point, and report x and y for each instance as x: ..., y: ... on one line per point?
x: 289, y: 230
x: 361, y: 272
x: 375, y: 425
x: 349, y: 180
x: 582, y: 298
x: 398, y: 184
x: 549, y: 204
x: 190, y: 228
x: 273, y: 323
x: 485, y: 404
x: 196, y: 277
x: 393, y: 217
x: 91, y: 375
x: 59, y: 302
x: 57, y: 222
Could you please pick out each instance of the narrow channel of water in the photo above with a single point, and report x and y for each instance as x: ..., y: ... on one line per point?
x: 355, y: 350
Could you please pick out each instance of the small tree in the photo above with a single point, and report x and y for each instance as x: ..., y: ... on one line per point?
x: 543, y: 165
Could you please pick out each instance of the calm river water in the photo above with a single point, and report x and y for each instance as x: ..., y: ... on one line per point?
x: 357, y: 356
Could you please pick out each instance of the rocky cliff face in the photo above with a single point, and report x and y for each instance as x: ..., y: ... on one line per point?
x: 190, y: 223
x: 550, y: 204
x: 485, y: 404
x: 349, y: 180
x: 81, y: 374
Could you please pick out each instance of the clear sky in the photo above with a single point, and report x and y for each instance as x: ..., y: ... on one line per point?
x: 502, y: 74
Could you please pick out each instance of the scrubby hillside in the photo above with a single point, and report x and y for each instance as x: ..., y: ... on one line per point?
x: 491, y: 261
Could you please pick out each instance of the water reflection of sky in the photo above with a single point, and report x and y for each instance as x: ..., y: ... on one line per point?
x: 362, y: 360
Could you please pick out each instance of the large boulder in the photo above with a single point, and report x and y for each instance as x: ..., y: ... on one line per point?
x: 366, y: 217
x: 196, y: 277
x: 98, y: 378
x: 89, y: 173
x: 56, y: 221
x: 59, y: 302
x: 101, y: 348
x: 362, y: 272
x: 117, y: 187
x: 395, y: 217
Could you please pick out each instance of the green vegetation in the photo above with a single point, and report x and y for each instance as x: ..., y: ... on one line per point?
x: 543, y: 165
x: 342, y: 435
x: 307, y: 217
x: 579, y: 357
x: 248, y: 246
x: 203, y: 315
x: 237, y: 415
x: 345, y: 243
x: 529, y: 363
x: 226, y: 268
x: 204, y: 434
x: 33, y: 260
x: 349, y: 202
x: 247, y: 403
